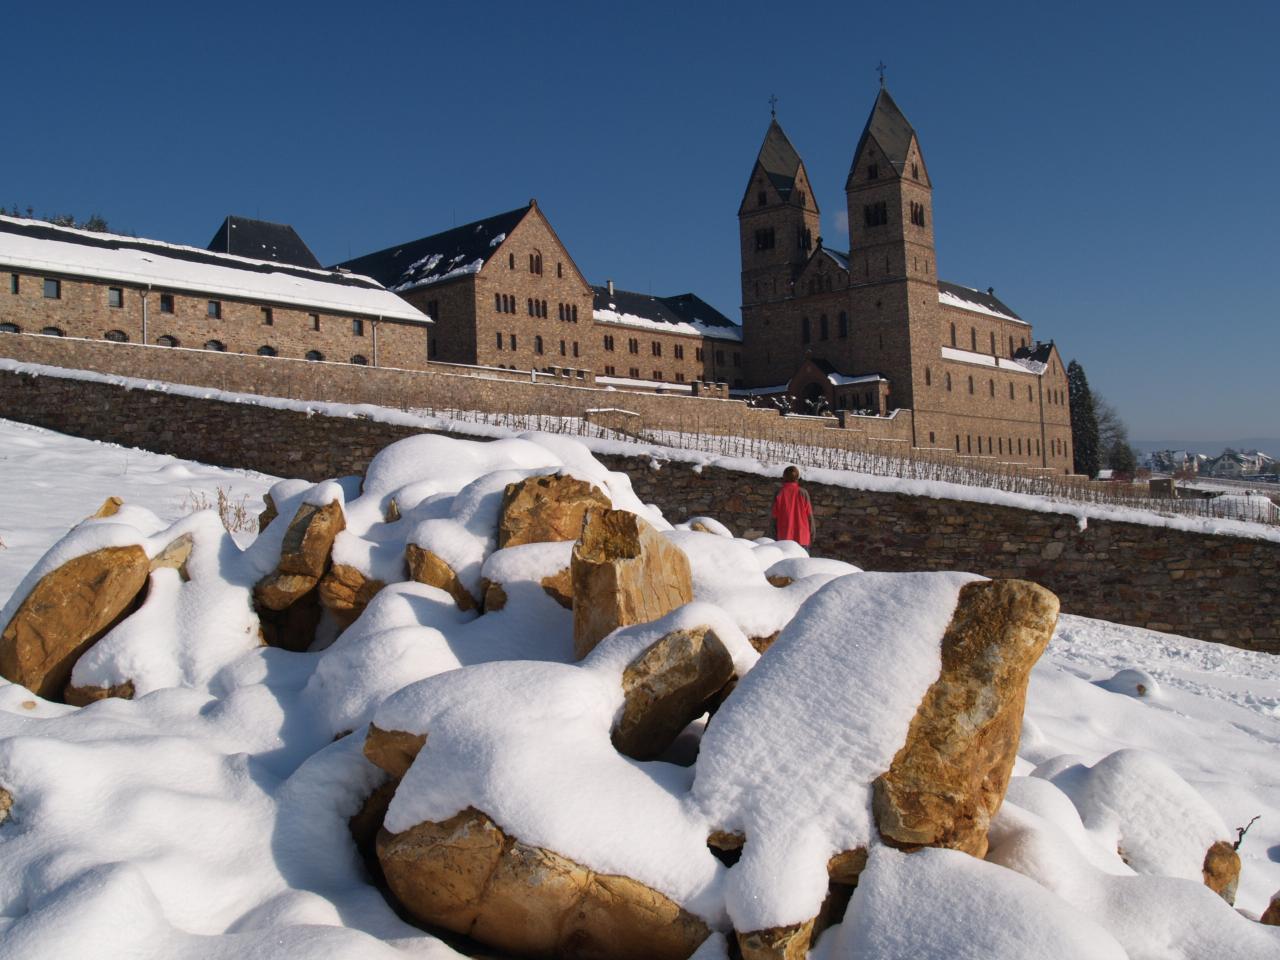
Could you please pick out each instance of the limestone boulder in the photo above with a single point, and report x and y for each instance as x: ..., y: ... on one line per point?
x: 83, y: 696
x: 1222, y: 870
x: 110, y: 507
x: 1270, y: 916
x: 175, y: 556
x: 309, y: 539
x: 392, y: 750
x: 950, y: 776
x: 69, y: 610
x: 777, y: 943
x: 624, y: 572
x: 269, y: 512
x: 546, y: 509
x: 426, y: 567
x: 344, y: 591
x: 467, y: 875
x: 6, y: 804
x: 666, y: 687
x: 559, y: 587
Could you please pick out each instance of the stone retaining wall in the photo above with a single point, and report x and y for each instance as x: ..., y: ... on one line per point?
x: 1212, y: 587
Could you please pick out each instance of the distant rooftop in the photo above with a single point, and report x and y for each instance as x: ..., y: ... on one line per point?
x: 683, y: 313
x: 262, y: 240
x: 442, y: 256
x: 43, y: 248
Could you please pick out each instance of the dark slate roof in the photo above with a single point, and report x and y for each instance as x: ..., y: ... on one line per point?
x: 985, y: 301
x: 39, y: 230
x: 684, y: 308
x: 779, y: 160
x: 441, y: 256
x: 891, y: 131
x: 1039, y: 352
x: 262, y: 240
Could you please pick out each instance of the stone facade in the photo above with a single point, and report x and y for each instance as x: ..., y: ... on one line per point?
x: 1212, y: 587
x: 880, y: 310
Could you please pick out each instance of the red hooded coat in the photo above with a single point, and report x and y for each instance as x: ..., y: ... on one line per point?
x: 793, y: 514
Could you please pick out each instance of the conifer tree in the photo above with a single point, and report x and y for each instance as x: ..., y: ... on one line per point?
x: 1084, y: 422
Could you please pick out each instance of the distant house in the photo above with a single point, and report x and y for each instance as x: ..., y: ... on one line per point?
x: 60, y: 281
x: 1236, y: 464
x: 503, y: 292
x: 262, y: 240
x: 1173, y: 461
x: 663, y: 341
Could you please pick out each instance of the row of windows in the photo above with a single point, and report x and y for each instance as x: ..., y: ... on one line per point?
x: 824, y: 328
x: 535, y: 264
x: 568, y: 312
x: 917, y: 213
x: 167, y: 340
x: 973, y: 341
x: 634, y: 373
x: 511, y: 341
x: 873, y: 171
x: 213, y: 308
x: 1003, y: 446
x: 875, y: 214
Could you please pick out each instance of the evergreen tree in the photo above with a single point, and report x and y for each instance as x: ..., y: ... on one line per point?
x: 1084, y: 422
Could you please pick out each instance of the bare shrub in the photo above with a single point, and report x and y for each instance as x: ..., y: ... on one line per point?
x: 236, y: 515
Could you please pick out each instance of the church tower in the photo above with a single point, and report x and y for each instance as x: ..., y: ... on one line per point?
x: 777, y: 220
x: 890, y: 201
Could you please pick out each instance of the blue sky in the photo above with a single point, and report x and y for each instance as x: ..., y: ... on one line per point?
x: 1107, y: 167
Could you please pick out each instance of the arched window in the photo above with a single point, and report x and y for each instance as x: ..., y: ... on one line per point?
x: 537, y: 344
x: 265, y: 351
x: 928, y: 377
x: 991, y: 387
x: 511, y: 261
x: 948, y: 383
x: 1010, y: 389
x: 953, y: 334
x: 166, y: 341
x: 10, y: 328
x: 497, y: 302
x: 1011, y: 347
x: 52, y: 332
x: 360, y: 360
x: 973, y: 339
x: 993, y: 343
x: 217, y: 345
x: 971, y: 384
x: 844, y: 325
x: 804, y: 329
x: 823, y: 331
x: 116, y: 336
x: 314, y: 355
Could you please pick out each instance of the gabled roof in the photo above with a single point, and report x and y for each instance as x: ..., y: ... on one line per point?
x: 684, y: 313
x: 44, y: 248
x: 890, y: 130
x: 262, y: 240
x: 1037, y: 353
x: 779, y: 160
x: 839, y: 257
x: 442, y: 256
x: 955, y: 295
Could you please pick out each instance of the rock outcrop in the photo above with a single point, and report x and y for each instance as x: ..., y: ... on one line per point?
x: 468, y: 876
x: 546, y: 509
x: 666, y: 687
x: 1222, y: 870
x: 426, y: 567
x: 269, y: 512
x: 392, y: 750
x: 624, y: 572
x: 304, y: 555
x: 950, y: 777
x: 344, y: 591
x: 83, y: 696
x: 778, y: 943
x: 68, y: 611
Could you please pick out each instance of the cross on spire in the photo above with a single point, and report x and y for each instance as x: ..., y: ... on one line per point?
x: 880, y: 69
x: 773, y: 105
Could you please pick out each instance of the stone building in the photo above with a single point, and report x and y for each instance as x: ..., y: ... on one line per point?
x: 664, y: 342
x: 873, y: 329
x: 503, y: 292
x: 65, y: 282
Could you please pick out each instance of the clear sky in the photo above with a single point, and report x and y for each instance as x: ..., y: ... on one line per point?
x: 1108, y: 167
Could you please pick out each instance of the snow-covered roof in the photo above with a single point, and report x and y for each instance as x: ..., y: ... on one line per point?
x: 667, y: 386
x: 841, y: 380
x: 443, y: 256
x: 44, y: 248
x: 685, y: 313
x: 966, y: 298
x: 1016, y: 364
x: 839, y: 257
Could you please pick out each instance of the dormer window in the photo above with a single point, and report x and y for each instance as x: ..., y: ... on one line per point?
x: 873, y: 171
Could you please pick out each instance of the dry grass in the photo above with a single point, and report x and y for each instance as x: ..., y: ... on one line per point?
x: 236, y: 515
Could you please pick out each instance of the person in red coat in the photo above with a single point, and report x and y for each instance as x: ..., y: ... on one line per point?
x: 792, y: 510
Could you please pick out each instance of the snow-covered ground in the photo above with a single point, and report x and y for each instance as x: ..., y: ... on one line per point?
x: 209, y: 820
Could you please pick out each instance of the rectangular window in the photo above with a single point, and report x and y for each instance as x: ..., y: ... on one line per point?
x: 315, y: 321
x: 575, y: 348
x: 679, y: 351
x: 633, y: 345
x: 268, y: 318
x: 513, y: 341
x: 657, y: 374
x: 433, y: 309
x: 166, y: 303
x: 634, y: 373
x: 52, y: 289
x: 697, y: 354
x: 115, y: 297
x: 499, y: 336
x: 609, y: 371
x: 562, y: 350
x: 608, y: 341
x: 357, y: 327
x: 656, y: 348
x: 720, y: 357
x: 214, y: 309
x: 679, y: 377
x: 13, y: 283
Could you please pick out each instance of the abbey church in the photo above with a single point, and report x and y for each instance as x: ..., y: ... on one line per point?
x: 873, y: 330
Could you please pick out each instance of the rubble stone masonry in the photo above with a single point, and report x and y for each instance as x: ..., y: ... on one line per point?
x: 1212, y: 587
